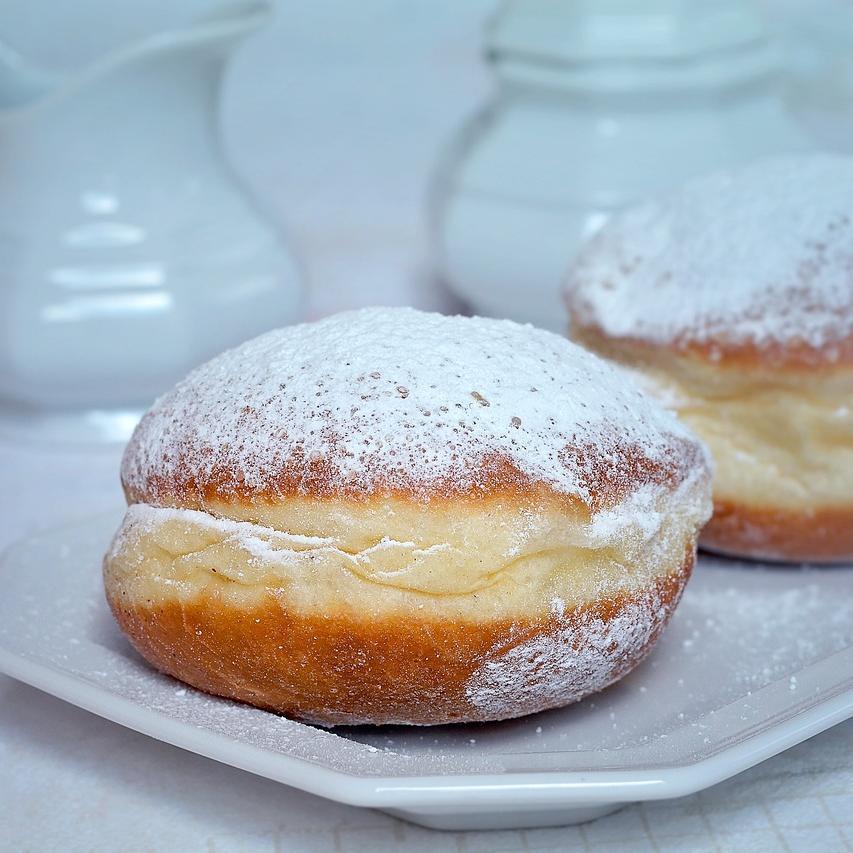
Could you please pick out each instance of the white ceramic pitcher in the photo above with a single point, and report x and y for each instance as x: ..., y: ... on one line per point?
x: 599, y: 103
x: 129, y: 252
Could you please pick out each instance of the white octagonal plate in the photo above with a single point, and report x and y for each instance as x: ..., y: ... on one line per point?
x: 757, y: 659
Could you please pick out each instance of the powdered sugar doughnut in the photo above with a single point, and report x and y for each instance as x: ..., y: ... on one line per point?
x: 733, y: 299
x: 390, y: 516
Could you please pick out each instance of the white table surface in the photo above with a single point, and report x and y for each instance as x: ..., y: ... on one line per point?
x: 346, y: 174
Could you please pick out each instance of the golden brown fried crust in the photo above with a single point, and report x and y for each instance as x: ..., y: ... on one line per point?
x: 217, y: 496
x: 614, y: 469
x: 825, y: 535
x: 338, y: 669
x: 796, y: 355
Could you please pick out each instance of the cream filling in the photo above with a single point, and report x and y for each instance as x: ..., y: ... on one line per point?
x: 464, y: 561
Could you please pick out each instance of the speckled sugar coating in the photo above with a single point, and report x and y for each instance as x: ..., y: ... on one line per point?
x: 586, y: 653
x: 760, y: 256
x: 399, y: 400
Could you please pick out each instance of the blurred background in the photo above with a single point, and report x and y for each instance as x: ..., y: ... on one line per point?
x: 166, y: 199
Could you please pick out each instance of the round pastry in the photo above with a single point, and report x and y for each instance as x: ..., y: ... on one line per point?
x: 397, y: 517
x: 732, y: 299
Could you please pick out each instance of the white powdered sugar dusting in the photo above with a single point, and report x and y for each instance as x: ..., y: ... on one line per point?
x: 265, y: 544
x: 761, y: 255
x: 583, y: 655
x: 393, y: 397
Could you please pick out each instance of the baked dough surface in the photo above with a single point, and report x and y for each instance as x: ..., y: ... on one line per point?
x: 389, y: 516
